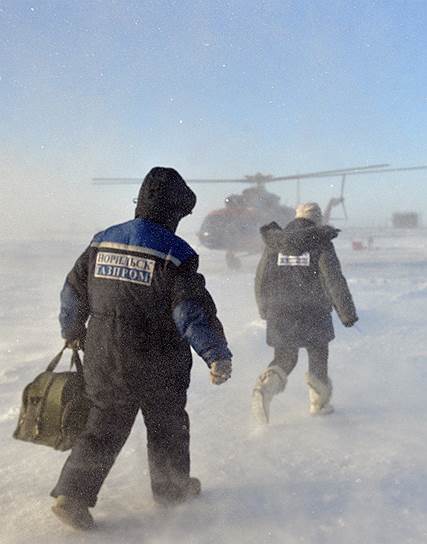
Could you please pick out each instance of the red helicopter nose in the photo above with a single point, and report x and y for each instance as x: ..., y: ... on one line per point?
x: 211, y: 233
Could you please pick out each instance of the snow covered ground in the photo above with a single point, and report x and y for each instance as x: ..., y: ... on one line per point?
x: 357, y: 476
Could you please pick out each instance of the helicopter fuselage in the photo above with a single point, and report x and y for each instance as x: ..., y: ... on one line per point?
x: 236, y: 229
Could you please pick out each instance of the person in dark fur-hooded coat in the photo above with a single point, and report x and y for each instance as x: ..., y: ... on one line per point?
x: 298, y: 283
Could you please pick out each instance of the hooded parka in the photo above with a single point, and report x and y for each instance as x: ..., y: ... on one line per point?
x: 138, y: 287
x: 298, y: 283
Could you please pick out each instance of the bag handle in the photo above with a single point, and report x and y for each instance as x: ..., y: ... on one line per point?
x: 54, y: 362
x: 75, y: 360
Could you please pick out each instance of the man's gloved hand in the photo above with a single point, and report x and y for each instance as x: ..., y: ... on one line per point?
x: 79, y: 342
x: 350, y: 322
x: 75, y: 344
x: 220, y: 371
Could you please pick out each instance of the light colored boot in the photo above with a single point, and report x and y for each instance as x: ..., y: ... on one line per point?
x: 271, y: 382
x: 73, y: 512
x: 320, y: 394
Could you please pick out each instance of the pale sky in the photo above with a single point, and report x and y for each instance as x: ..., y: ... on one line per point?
x: 214, y: 89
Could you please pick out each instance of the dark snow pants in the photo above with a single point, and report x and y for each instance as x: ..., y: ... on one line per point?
x: 108, y: 427
x: 287, y: 357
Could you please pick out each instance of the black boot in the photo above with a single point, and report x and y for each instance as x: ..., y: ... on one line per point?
x: 194, y: 487
x: 73, y: 512
x: 174, y: 494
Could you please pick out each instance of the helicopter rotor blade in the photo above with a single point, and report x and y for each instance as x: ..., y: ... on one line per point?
x: 386, y: 170
x: 257, y: 178
x: 326, y: 173
x: 116, y: 181
x: 132, y: 181
x: 353, y: 171
x: 266, y: 179
x: 220, y: 180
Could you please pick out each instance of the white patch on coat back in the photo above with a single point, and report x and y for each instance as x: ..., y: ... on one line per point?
x: 122, y: 267
x: 293, y: 260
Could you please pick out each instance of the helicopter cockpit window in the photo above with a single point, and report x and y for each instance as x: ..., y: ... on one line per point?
x: 233, y: 201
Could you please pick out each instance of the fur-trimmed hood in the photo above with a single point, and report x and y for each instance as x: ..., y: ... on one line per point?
x: 298, y: 236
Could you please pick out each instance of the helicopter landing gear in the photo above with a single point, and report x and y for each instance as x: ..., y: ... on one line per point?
x: 233, y: 262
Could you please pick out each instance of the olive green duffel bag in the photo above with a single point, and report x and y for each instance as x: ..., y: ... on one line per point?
x: 54, y: 407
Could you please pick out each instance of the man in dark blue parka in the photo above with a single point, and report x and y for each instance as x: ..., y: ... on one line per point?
x: 145, y: 304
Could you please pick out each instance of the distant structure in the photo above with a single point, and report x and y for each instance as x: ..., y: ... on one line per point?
x: 406, y: 220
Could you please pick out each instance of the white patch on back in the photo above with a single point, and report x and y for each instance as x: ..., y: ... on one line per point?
x: 293, y: 260
x: 120, y: 267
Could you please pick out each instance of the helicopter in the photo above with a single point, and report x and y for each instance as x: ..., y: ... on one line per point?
x: 235, y: 227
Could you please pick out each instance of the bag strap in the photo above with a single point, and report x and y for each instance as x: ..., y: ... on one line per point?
x: 75, y: 360
x: 54, y: 362
x: 37, y: 430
